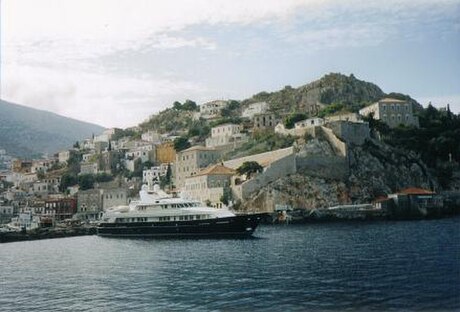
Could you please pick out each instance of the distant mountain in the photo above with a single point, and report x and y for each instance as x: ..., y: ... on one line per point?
x: 26, y: 132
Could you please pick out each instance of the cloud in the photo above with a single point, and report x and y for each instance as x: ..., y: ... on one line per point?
x: 52, y: 50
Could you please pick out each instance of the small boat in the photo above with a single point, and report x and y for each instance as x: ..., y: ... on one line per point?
x: 158, y: 214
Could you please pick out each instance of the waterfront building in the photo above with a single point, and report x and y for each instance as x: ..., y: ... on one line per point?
x: 209, y: 185
x: 61, y: 208
x: 91, y: 203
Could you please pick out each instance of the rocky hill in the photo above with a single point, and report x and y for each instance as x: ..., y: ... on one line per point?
x: 26, y: 132
x: 333, y: 88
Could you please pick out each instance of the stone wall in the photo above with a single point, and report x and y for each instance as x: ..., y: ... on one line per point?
x: 263, y: 158
x: 351, y: 132
x: 339, y: 147
x: 276, y: 170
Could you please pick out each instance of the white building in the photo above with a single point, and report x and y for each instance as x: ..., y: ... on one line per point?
x: 254, y: 109
x: 145, y: 153
x: 154, y: 173
x: 308, y: 123
x: 226, y: 134
x: 151, y: 136
x: 63, y: 156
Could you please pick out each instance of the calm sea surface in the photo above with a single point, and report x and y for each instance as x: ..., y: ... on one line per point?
x: 352, y: 266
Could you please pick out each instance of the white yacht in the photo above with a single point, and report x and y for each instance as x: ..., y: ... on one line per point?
x: 159, y: 214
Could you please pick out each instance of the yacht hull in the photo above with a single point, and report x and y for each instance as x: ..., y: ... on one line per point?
x: 236, y: 226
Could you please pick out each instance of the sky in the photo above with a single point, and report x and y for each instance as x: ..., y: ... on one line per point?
x: 116, y: 62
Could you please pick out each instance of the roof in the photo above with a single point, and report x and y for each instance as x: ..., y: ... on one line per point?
x: 216, y: 170
x: 391, y: 100
x: 415, y: 191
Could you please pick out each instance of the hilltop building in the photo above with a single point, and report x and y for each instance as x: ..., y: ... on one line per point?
x: 393, y: 112
x: 211, y: 110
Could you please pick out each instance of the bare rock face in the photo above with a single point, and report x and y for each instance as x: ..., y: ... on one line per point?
x: 377, y: 169
x: 374, y: 170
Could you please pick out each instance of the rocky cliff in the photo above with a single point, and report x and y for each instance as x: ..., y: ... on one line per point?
x: 369, y: 171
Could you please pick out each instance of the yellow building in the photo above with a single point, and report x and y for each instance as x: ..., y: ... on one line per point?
x: 165, y: 153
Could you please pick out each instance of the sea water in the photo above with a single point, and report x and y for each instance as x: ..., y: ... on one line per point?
x: 337, y: 266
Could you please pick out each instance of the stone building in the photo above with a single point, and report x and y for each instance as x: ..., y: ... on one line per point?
x: 190, y: 161
x: 264, y: 121
x: 212, y: 109
x: 208, y: 186
x: 61, y: 208
x: 393, y: 112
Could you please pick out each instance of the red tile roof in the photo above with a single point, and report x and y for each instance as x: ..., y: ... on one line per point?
x: 415, y: 191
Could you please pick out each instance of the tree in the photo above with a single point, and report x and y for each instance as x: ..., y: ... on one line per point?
x: 77, y: 144
x: 177, y: 105
x: 190, y: 105
x: 249, y: 168
x: 181, y: 143
x: 290, y: 121
x: 86, y: 181
x: 166, y: 179
x: 40, y: 174
x: 67, y: 180
x: 227, y: 196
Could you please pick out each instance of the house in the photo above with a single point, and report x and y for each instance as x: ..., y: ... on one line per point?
x: 42, y: 165
x: 308, y: 123
x: 89, y: 168
x: 154, y: 173
x: 151, y: 136
x: 21, y: 166
x: 211, y: 110
x: 264, y: 121
x: 411, y: 203
x: 209, y: 185
x: 61, y: 208
x: 393, y: 112
x: 226, y: 134
x: 91, y: 203
x: 165, y: 153
x: 255, y: 108
x: 190, y: 161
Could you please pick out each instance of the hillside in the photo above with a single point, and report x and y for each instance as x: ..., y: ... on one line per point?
x: 27, y: 132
